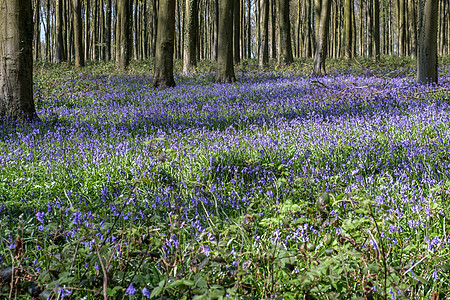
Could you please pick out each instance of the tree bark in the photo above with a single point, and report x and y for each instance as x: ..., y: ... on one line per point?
x: 427, y: 71
x: 348, y: 28
x: 237, y: 31
x: 225, y: 67
x: 264, y: 31
x: 190, y: 39
x: 59, y: 53
x: 285, y: 34
x: 123, y: 34
x: 37, y: 30
x: 321, y: 41
x: 163, y: 74
x: 107, y: 31
x: 78, y: 37
x: 16, y: 61
x: 376, y: 30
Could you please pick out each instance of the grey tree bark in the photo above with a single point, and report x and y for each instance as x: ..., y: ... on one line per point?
x: 427, y: 71
x: 107, y: 37
x: 78, y: 37
x: 190, y: 39
x: 123, y: 34
x: 236, y: 31
x: 264, y: 43
x: 321, y: 41
x: 163, y: 73
x: 16, y: 61
x: 285, y: 34
x: 376, y: 29
x: 348, y: 28
x: 225, y: 67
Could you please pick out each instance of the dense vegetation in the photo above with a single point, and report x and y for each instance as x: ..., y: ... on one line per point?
x: 280, y: 185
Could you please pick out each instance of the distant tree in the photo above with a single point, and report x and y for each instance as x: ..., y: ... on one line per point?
x: 286, y: 56
x: 225, y: 67
x: 123, y: 34
x: 321, y: 40
x: 16, y: 61
x: 427, y: 71
x: 190, y: 39
x: 237, y: 31
x: 376, y: 29
x: 78, y: 37
x: 163, y: 74
x: 107, y: 32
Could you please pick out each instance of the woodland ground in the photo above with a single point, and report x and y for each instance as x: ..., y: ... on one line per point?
x: 278, y: 186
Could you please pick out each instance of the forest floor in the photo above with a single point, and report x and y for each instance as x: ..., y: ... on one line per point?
x: 281, y: 185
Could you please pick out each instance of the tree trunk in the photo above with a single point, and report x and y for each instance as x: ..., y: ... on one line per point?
x: 123, y: 34
x: 107, y: 37
x: 216, y: 29
x: 37, y: 30
x: 78, y: 37
x: 264, y: 44
x: 273, y: 19
x: 59, y: 53
x: 163, y: 74
x: 16, y: 61
x: 413, y: 27
x: 376, y: 29
x: 155, y: 26
x: 190, y: 39
x: 401, y: 27
x: 427, y: 71
x: 236, y: 31
x: 225, y: 67
x: 321, y: 41
x: 307, y: 47
x: 285, y: 34
x: 348, y: 28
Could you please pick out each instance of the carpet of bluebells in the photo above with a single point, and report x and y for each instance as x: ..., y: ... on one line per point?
x: 278, y: 186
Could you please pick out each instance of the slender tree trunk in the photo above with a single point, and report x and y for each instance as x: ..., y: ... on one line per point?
x: 264, y: 44
x: 273, y: 19
x: 321, y: 41
x: 79, y: 55
x: 236, y: 31
x: 401, y: 27
x: 348, y: 28
x: 163, y: 74
x: 59, y: 53
x: 16, y: 61
x: 216, y: 28
x: 37, y: 30
x: 87, y: 27
x: 376, y: 29
x: 413, y: 27
x: 307, y: 47
x: 107, y: 31
x: 225, y: 68
x: 190, y: 39
x: 427, y: 71
x: 285, y: 34
x: 155, y: 26
x: 249, y: 30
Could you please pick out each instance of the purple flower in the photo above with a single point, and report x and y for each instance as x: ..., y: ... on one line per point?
x: 40, y: 216
x: 64, y: 292
x: 131, y: 290
x: 146, y: 292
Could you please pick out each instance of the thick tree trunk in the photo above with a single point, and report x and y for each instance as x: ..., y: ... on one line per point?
x: 163, y: 74
x: 264, y: 43
x: 285, y: 34
x: 225, y: 67
x: 78, y: 37
x: 190, y: 39
x: 16, y: 61
x: 273, y: 19
x: 123, y: 34
x: 321, y: 41
x: 427, y: 71
x: 59, y: 53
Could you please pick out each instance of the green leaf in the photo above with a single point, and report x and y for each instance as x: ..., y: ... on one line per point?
x: 113, y: 292
x: 156, y: 292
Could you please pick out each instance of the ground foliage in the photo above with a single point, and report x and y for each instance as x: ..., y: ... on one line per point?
x: 281, y: 185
